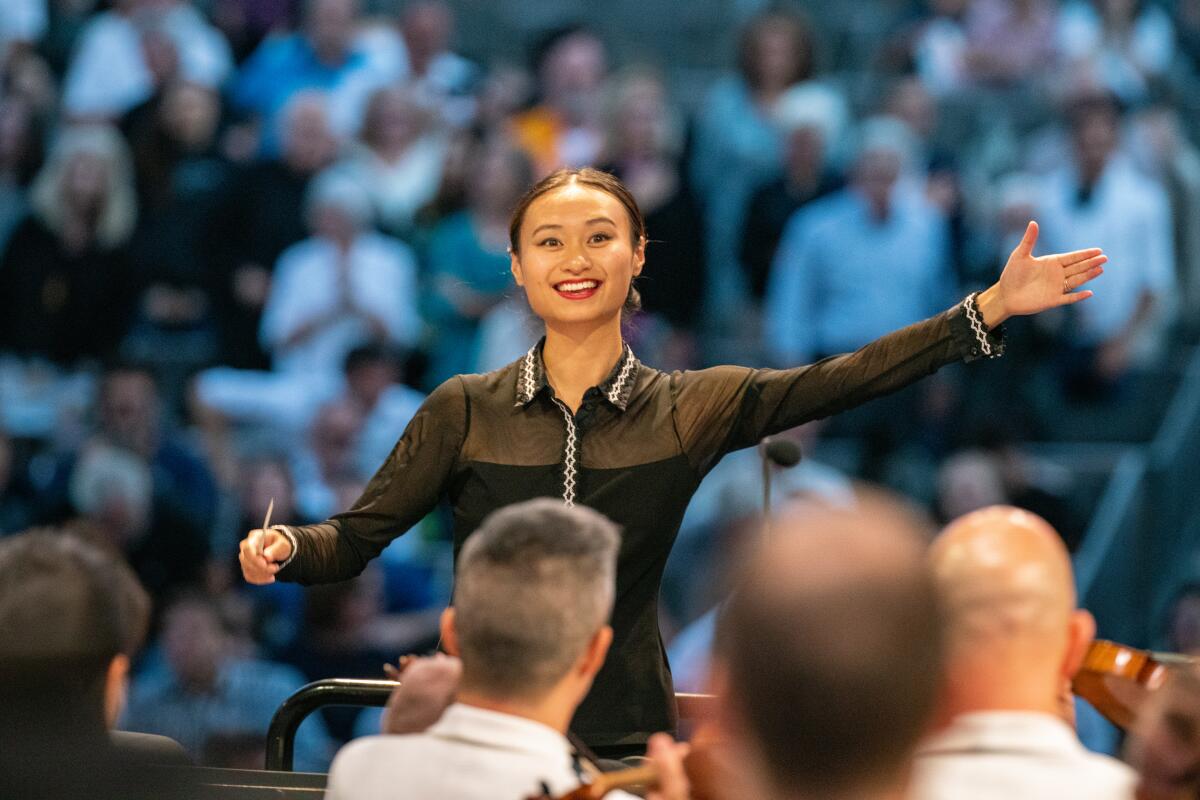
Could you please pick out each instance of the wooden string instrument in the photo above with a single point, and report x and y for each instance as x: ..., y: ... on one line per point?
x: 1117, y: 679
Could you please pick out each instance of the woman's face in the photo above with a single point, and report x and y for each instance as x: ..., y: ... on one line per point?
x: 577, y: 256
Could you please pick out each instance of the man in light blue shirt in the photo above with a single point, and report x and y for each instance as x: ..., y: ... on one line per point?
x: 864, y: 261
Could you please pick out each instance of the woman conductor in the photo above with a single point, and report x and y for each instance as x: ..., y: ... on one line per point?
x: 579, y: 417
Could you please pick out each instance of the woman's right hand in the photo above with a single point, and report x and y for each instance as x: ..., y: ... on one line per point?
x: 261, y: 553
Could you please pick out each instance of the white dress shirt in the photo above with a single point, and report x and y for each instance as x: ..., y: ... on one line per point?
x: 1015, y: 754
x: 382, y: 279
x: 1129, y: 216
x: 469, y: 754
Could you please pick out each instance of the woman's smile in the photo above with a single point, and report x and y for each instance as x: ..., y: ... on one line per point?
x: 577, y: 289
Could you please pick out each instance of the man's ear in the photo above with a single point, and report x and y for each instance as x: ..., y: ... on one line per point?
x: 597, y: 651
x: 116, y: 687
x: 1081, y: 632
x: 514, y: 266
x: 449, y: 632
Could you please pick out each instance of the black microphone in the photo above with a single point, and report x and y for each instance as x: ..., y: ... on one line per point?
x: 782, y: 452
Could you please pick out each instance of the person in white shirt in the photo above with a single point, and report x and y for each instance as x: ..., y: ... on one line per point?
x: 1015, y: 640
x: 534, y: 591
x: 1101, y: 197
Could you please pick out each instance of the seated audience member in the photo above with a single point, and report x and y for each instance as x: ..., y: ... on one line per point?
x: 332, y: 52
x: 71, y: 619
x: 263, y: 216
x: 398, y: 158
x: 827, y: 682
x: 1099, y: 195
x: 812, y: 120
x: 564, y: 128
x: 208, y: 686
x: 343, y: 287
x: 534, y: 591
x: 1015, y: 639
x: 1164, y: 742
x: 468, y: 258
x: 64, y: 273
x: 825, y: 293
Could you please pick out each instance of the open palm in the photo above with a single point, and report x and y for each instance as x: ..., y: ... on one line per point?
x: 1030, y: 284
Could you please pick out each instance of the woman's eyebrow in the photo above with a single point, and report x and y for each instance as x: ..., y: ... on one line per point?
x: 544, y: 225
x: 594, y: 220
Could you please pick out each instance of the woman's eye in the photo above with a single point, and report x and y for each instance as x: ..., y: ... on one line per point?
x: 601, y: 237
x: 548, y: 242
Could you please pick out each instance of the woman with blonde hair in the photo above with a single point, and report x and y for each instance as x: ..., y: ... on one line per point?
x: 64, y: 275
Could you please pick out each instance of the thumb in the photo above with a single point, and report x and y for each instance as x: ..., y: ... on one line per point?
x: 1025, y: 248
x: 278, y: 547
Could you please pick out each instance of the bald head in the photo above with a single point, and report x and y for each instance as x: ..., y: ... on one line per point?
x: 832, y: 648
x: 1004, y: 574
x: 1014, y: 634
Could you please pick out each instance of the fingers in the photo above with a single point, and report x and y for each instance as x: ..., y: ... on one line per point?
x: 668, y: 757
x: 1075, y: 297
x: 1075, y: 256
x: 256, y: 568
x: 1073, y: 282
x: 1085, y: 265
x: 278, y: 549
x: 1025, y: 248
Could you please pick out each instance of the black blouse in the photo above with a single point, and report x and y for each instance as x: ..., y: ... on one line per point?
x: 636, y: 451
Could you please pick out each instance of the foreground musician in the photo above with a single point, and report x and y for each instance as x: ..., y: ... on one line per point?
x: 828, y: 658
x: 534, y: 592
x: 580, y: 418
x: 1015, y: 640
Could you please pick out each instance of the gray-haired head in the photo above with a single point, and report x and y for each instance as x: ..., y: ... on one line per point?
x: 886, y: 136
x: 340, y: 191
x: 534, y: 584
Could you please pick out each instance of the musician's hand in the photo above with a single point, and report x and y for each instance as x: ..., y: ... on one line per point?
x: 261, y: 553
x: 668, y: 756
x: 428, y: 685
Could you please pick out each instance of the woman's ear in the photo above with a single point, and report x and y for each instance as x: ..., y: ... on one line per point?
x: 514, y: 266
x: 639, y: 256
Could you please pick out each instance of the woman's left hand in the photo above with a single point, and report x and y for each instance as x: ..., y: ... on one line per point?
x: 1030, y: 284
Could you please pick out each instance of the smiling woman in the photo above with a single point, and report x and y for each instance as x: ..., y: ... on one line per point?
x: 578, y: 417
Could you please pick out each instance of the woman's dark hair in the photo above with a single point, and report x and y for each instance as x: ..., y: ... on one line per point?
x: 596, y: 179
x: 793, y: 24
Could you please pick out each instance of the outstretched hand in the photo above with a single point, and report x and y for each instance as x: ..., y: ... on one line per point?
x: 1031, y: 284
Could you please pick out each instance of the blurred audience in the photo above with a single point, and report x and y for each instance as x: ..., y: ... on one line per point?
x: 828, y: 291
x: 737, y: 145
x: 468, y: 263
x: 565, y: 127
x: 1015, y: 639
x: 1100, y: 198
x: 400, y: 160
x: 812, y: 121
x: 64, y: 278
x: 645, y: 150
x: 264, y: 215
x: 125, y: 54
x: 329, y: 53
x: 209, y: 684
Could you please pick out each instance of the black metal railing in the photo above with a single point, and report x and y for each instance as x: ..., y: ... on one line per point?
x: 281, y: 735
